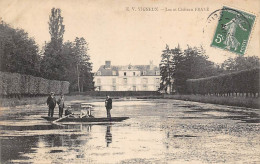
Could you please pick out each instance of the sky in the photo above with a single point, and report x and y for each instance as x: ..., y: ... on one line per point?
x: 120, y: 31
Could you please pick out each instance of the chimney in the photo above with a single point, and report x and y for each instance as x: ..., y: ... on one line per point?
x: 108, y: 64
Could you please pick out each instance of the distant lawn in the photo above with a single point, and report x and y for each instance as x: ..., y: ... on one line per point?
x: 232, y: 101
x: 7, y: 102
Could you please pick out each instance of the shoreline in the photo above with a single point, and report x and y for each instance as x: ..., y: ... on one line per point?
x: 248, y: 102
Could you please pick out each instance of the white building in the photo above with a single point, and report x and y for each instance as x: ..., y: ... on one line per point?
x: 127, y: 78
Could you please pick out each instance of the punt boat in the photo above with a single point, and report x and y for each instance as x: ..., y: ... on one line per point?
x: 85, y: 119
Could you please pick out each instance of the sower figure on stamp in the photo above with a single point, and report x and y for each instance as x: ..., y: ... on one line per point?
x: 51, y: 102
x: 231, y: 27
x: 108, y: 105
x: 60, y: 102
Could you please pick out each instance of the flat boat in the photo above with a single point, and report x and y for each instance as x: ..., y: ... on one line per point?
x: 86, y: 119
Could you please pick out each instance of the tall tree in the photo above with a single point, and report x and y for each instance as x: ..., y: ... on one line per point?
x: 177, y: 63
x: 77, y: 65
x: 84, y: 66
x: 56, y: 28
x: 195, y: 64
x: 166, y: 69
x: 189, y: 64
x: 18, y: 52
x: 51, y: 65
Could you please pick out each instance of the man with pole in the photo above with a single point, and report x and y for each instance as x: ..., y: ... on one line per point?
x: 108, y: 105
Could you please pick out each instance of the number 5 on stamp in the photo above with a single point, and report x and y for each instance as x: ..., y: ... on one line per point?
x: 233, y: 30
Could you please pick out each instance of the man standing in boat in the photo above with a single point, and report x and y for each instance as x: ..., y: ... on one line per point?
x: 51, y: 102
x: 108, y: 105
x: 60, y: 102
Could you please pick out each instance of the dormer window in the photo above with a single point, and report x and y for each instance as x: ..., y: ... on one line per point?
x: 98, y: 73
x: 133, y: 73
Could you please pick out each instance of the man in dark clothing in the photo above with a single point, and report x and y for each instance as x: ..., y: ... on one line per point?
x: 60, y: 102
x: 108, y: 105
x: 51, y: 102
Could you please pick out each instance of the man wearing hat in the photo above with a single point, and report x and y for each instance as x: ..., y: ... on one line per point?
x: 108, y: 105
x: 51, y: 102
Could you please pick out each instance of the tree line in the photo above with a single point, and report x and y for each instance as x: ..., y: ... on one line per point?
x: 177, y: 66
x: 58, y: 60
x: 233, y: 84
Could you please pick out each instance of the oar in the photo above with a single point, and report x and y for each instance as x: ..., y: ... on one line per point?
x: 61, y: 118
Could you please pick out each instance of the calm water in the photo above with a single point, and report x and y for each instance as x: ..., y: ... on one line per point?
x: 158, y: 131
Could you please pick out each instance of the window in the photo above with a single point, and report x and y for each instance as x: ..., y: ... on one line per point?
x: 124, y: 73
x: 144, y: 72
x: 157, y: 80
x: 134, y: 73
x: 125, y: 80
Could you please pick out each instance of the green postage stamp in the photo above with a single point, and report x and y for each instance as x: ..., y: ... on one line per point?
x: 233, y: 30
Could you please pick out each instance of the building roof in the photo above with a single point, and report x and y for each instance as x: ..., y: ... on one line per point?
x: 108, y: 71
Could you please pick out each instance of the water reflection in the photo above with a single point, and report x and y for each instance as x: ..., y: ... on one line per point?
x: 108, y: 136
x: 156, y: 133
x: 80, y: 127
x: 53, y: 140
x: 14, y: 147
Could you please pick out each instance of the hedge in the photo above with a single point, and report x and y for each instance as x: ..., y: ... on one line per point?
x: 21, y: 84
x: 234, y: 83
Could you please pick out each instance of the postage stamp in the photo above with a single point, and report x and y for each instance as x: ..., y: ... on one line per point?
x: 233, y: 30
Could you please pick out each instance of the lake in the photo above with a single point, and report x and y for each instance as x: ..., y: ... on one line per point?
x: 158, y: 131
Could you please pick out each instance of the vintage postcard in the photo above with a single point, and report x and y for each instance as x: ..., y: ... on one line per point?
x: 132, y: 81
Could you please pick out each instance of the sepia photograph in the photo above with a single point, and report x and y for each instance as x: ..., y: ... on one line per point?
x: 131, y: 81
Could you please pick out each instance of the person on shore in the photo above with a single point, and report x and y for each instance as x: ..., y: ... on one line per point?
x: 60, y: 102
x: 108, y: 105
x: 51, y: 102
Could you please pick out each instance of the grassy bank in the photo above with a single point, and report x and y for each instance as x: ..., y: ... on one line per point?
x: 231, y: 101
x: 6, y: 102
x: 11, y: 102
